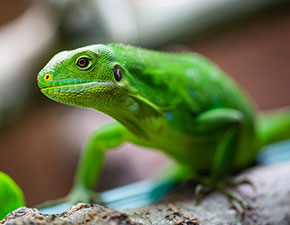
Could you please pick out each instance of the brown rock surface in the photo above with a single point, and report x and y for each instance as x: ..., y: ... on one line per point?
x: 267, y: 203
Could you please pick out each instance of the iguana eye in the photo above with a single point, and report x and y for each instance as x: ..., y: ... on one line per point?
x: 118, y: 73
x: 84, y: 62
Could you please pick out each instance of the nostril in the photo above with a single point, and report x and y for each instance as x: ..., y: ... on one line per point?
x: 47, y: 77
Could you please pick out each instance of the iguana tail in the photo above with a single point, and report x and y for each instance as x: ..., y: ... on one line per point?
x: 273, y: 126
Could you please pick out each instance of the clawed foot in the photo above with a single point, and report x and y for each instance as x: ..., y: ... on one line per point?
x: 84, y: 195
x: 77, y: 195
x: 207, y: 186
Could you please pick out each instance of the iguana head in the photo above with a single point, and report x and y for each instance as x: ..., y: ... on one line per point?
x: 92, y: 77
x: 86, y: 77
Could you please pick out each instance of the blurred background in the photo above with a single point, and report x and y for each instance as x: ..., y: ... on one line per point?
x: 40, y: 140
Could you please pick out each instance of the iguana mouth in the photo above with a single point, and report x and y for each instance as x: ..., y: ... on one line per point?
x: 69, y: 85
x: 63, y: 82
x: 77, y: 88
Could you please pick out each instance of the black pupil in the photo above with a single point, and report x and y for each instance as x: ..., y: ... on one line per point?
x: 83, y: 62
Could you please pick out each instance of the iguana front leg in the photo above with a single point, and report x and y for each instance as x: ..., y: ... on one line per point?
x: 228, y: 122
x: 89, y: 168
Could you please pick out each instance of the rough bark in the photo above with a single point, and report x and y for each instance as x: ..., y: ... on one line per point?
x: 267, y: 204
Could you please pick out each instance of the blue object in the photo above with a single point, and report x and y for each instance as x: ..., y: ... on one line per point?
x: 127, y: 197
x: 274, y: 153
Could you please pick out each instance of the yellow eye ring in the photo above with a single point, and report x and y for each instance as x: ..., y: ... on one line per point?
x: 47, y: 77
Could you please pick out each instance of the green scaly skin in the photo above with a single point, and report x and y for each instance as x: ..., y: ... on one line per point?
x: 178, y: 103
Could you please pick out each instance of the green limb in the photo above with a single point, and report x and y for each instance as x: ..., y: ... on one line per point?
x: 273, y: 126
x: 89, y: 168
x: 226, y: 152
x: 227, y: 123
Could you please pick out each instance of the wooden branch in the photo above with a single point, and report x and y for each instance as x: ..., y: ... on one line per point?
x: 269, y: 203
